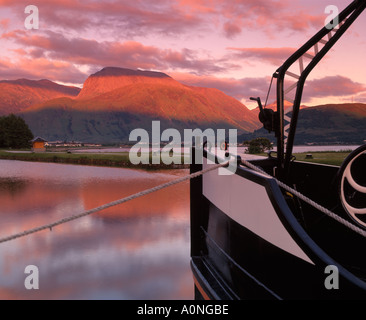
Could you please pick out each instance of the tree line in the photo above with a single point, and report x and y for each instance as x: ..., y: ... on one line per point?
x: 14, y: 132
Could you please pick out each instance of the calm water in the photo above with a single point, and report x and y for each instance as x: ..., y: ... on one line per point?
x: 137, y: 250
x: 297, y: 149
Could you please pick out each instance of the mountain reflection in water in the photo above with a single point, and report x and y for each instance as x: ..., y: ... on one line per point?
x: 137, y: 250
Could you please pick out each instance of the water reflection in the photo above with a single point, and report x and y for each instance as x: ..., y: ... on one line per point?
x: 137, y: 250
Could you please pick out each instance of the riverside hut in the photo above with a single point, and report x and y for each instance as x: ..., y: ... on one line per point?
x: 38, y: 144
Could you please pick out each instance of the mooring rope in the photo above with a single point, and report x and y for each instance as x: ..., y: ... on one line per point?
x: 308, y: 200
x: 112, y: 204
x: 177, y: 181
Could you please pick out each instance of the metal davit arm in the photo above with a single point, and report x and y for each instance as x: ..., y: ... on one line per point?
x: 321, y: 43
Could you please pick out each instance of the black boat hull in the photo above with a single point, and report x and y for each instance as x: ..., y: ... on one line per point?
x: 248, y: 244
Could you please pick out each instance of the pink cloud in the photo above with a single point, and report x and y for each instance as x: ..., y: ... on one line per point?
x: 231, y: 29
x: 238, y: 88
x: 129, y: 54
x: 243, y: 89
x: 275, y: 56
x: 41, y: 68
x: 172, y: 17
x: 268, y: 16
x: 125, y: 17
x: 361, y: 98
x: 4, y: 23
x: 333, y: 86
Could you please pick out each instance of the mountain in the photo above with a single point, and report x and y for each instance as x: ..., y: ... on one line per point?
x: 333, y: 123
x: 18, y: 95
x: 326, y: 124
x: 111, y: 78
x: 114, y: 101
x: 157, y: 95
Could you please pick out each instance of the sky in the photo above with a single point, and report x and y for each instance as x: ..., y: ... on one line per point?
x: 232, y: 45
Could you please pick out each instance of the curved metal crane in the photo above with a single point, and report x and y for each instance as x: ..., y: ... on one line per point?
x: 284, y: 121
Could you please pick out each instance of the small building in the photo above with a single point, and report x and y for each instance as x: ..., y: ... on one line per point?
x: 38, y: 144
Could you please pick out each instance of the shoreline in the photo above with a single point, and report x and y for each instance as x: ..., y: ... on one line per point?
x: 98, y: 160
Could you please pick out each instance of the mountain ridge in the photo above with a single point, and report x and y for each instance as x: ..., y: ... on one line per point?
x: 114, y: 101
x: 325, y: 124
x: 133, y: 97
x: 18, y: 95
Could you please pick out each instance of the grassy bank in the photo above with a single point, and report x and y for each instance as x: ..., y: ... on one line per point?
x: 106, y: 160
x: 333, y: 158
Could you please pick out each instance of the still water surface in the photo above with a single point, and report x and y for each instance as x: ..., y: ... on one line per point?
x: 137, y: 250
x: 296, y: 149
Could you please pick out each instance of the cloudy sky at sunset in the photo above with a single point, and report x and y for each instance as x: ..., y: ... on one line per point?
x: 232, y: 45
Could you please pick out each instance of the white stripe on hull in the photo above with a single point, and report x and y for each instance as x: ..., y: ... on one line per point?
x: 248, y: 204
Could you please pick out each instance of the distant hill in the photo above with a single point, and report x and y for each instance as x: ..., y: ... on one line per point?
x: 340, y: 123
x: 18, y: 95
x: 114, y: 101
x: 326, y: 124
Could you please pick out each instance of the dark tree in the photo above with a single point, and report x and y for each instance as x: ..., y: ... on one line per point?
x: 258, y: 145
x: 14, y: 132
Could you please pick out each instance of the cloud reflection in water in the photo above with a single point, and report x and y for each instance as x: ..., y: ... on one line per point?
x: 137, y: 250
